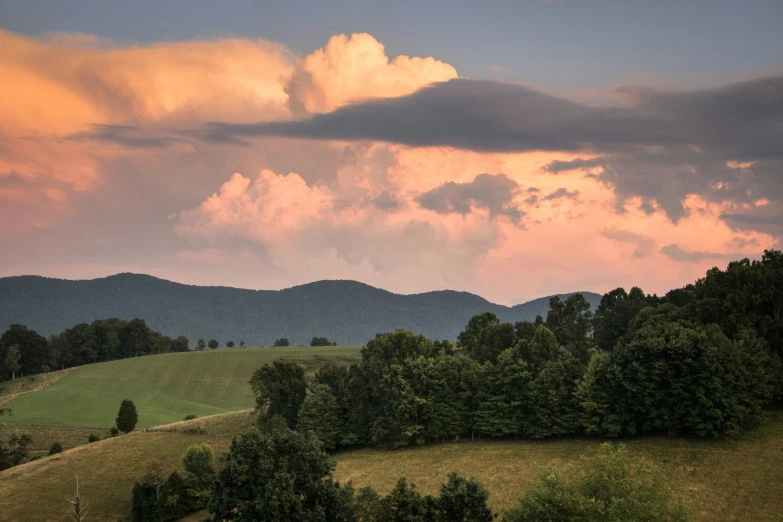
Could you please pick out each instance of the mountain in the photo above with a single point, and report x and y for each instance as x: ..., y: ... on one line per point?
x: 347, y: 312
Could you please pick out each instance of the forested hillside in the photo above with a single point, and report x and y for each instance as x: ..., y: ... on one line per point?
x: 347, y: 312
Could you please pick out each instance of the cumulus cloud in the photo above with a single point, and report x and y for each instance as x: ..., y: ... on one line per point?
x: 270, y: 207
x: 352, y: 69
x: 113, y: 135
x: 720, y: 143
x: 494, y: 193
x: 301, y: 227
x: 74, y: 103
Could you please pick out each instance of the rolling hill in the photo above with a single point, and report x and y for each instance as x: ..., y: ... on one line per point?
x: 738, y: 479
x: 347, y: 312
x: 164, y: 387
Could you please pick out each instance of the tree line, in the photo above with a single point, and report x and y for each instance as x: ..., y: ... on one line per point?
x: 25, y: 352
x: 702, y: 360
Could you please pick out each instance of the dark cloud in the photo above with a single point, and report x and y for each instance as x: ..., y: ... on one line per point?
x: 767, y: 219
x: 562, y: 193
x: 558, y: 166
x: 661, y: 147
x: 676, y: 253
x: 742, y: 120
x: 533, y: 189
x: 127, y: 136
x: 668, y: 176
x: 386, y: 201
x: 492, y: 192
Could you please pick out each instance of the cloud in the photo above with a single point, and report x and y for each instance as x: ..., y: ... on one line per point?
x: 742, y: 119
x: 386, y: 201
x: 494, y: 193
x: 557, y: 166
x: 660, y: 145
x: 300, y: 228
x: 561, y: 193
x: 644, y: 245
x: 674, y: 252
x: 742, y: 242
x: 355, y: 68
x: 78, y: 108
x: 124, y: 135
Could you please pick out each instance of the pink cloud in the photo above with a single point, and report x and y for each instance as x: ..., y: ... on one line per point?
x: 352, y: 211
x: 354, y: 68
x: 336, y: 230
x: 67, y: 83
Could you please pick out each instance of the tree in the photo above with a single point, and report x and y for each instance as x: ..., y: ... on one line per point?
x: 525, y: 330
x: 551, y: 408
x: 684, y: 377
x: 241, y: 344
x: 444, y: 346
x: 320, y: 341
x: 199, y: 460
x: 180, y: 344
x: 500, y: 399
x: 393, y: 348
x: 12, y: 360
x: 491, y: 340
x: 614, y: 314
x: 271, y: 424
x: 150, y: 495
x: 601, y: 398
x: 230, y: 344
x: 463, y: 500
x: 136, y: 338
x: 607, y: 487
x: 213, y: 344
x: 467, y: 338
x: 56, y: 448
x: 280, y: 390
x: 321, y: 414
x: 33, y: 348
x: 201, y: 345
x: 79, y: 507
x: 283, y: 341
x: 15, y: 452
x: 127, y: 416
x: 570, y: 321
x: 199, y: 471
x: 280, y: 477
x: 405, y: 504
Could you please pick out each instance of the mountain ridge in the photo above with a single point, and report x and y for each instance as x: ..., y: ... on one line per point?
x: 346, y: 311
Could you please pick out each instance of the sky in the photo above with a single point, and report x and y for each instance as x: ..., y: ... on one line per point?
x: 513, y: 149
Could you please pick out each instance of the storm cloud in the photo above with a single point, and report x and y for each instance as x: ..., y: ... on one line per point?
x: 743, y: 120
x: 491, y: 192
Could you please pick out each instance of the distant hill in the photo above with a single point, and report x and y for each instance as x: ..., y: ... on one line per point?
x: 347, y: 312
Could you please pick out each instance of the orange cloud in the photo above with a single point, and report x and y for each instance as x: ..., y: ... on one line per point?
x: 359, y: 218
x: 574, y: 241
x: 353, y: 68
x: 68, y: 83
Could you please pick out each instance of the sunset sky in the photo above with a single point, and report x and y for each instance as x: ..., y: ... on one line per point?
x: 513, y: 149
